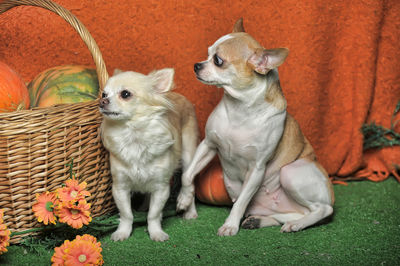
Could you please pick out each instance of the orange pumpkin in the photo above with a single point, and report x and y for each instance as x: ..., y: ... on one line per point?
x: 210, y: 186
x: 13, y: 92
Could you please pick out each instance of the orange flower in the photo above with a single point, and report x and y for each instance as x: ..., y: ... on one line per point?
x: 4, y: 238
x: 59, y: 253
x: 84, y: 250
x: 89, y: 238
x: 73, y: 191
x: 83, y: 253
x: 75, y: 215
x: 44, y: 208
x: 4, y: 235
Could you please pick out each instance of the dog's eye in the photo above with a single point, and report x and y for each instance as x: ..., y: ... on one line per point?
x: 125, y: 94
x: 218, y: 61
x: 103, y: 95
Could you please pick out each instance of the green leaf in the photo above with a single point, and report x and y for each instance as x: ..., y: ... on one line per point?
x: 397, y: 109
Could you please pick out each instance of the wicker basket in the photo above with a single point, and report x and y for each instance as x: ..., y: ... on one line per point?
x: 36, y: 145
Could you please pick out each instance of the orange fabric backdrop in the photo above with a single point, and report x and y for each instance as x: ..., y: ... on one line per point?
x: 343, y: 69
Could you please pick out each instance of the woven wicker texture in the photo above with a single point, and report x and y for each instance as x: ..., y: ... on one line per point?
x: 36, y: 145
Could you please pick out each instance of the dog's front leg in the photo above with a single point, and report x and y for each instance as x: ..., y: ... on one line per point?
x: 231, y: 225
x: 204, y: 154
x: 122, y: 197
x: 158, y: 199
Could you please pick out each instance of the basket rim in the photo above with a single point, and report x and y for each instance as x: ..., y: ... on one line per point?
x: 35, y: 111
x: 102, y: 74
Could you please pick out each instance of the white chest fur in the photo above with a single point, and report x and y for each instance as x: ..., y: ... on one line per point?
x: 140, y: 151
x: 246, y: 140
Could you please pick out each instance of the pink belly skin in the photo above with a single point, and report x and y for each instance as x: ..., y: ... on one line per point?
x: 266, y: 203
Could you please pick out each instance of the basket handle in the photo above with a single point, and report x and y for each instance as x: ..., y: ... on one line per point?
x: 75, y: 23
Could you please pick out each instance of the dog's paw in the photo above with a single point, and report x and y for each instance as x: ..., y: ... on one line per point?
x: 190, y: 214
x: 120, y: 235
x: 185, y: 198
x: 251, y: 222
x: 292, y: 226
x: 228, y: 230
x: 159, y: 236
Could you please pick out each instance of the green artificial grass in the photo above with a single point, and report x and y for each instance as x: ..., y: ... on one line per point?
x: 365, y: 230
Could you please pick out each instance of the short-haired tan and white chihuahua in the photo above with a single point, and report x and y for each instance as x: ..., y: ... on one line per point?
x: 269, y: 168
x: 148, y: 131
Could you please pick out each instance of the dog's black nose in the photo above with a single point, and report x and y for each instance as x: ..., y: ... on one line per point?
x: 198, y: 67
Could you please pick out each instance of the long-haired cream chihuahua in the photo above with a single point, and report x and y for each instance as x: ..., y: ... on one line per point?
x: 149, y: 132
x: 269, y: 168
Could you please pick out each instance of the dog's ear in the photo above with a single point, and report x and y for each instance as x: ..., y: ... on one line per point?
x: 163, y: 80
x: 238, y: 27
x: 263, y: 60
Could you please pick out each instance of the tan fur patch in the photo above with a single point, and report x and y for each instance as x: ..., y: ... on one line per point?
x: 274, y: 96
x: 292, y: 146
